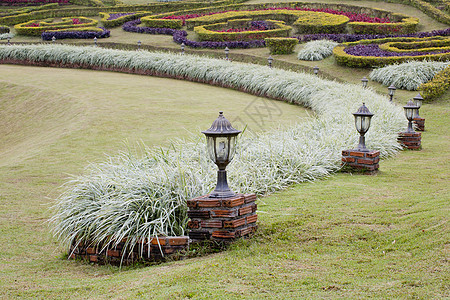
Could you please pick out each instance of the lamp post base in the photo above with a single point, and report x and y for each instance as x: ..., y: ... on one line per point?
x: 222, y: 219
x: 365, y: 162
x: 410, y: 140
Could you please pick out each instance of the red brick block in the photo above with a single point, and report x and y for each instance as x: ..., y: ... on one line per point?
x: 246, y: 231
x: 234, y: 223
x: 376, y: 160
x: 201, y: 214
x: 113, y: 253
x: 93, y: 258
x: 224, y: 234
x: 211, y: 224
x: 249, y: 198
x: 348, y: 159
x: 178, y: 240
x: 356, y: 153
x: 224, y: 213
x: 365, y: 161
x: 345, y: 153
x: 90, y: 250
x: 193, y: 224
x: 246, y: 210
x: 158, y: 241
x: 208, y: 203
x: 373, y: 154
x: 192, y: 203
x: 233, y: 202
x: 252, y: 219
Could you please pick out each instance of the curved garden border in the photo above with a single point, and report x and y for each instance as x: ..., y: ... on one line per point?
x: 265, y: 163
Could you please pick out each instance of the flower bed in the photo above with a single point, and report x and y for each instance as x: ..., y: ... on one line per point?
x: 207, y: 32
x: 132, y: 188
x: 81, y: 33
x: 367, y: 53
x: 32, y: 2
x: 113, y: 19
x: 34, y: 28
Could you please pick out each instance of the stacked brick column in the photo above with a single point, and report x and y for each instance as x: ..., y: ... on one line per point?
x: 411, y: 140
x: 222, y: 219
x: 160, y: 248
x: 355, y: 160
x: 420, y: 123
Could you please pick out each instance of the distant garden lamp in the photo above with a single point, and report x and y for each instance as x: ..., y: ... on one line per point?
x: 227, y: 52
x: 221, y: 143
x: 418, y: 102
x: 95, y: 41
x: 410, y: 109
x: 364, y: 82
x: 362, y: 122
x: 316, y: 70
x: 391, y: 90
x: 139, y: 45
x: 270, y: 61
x: 53, y: 39
x: 9, y: 41
x: 182, y: 48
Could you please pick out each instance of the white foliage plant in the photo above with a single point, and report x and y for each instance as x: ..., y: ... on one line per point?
x: 409, y: 75
x: 317, y: 50
x: 142, y: 194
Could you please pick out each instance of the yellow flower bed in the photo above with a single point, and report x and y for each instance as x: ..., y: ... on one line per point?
x: 27, y: 28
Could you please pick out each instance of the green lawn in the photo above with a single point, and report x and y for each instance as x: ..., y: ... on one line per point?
x: 349, y: 236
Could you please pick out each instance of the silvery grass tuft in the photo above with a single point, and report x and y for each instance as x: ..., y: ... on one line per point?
x: 5, y: 36
x: 409, y: 75
x: 317, y: 50
x: 142, y: 194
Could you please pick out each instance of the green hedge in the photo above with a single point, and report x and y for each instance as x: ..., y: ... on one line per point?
x: 281, y: 45
x: 162, y: 23
x: 348, y: 60
x: 321, y: 23
x: 4, y: 29
x: 405, y: 25
x: 87, y: 2
x: 431, y: 45
x: 23, y: 29
x: 205, y: 32
x: 119, y: 21
x: 437, y: 86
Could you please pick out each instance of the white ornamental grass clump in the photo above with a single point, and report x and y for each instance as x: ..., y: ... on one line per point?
x: 5, y: 36
x: 317, y: 50
x: 409, y: 75
x: 143, y: 195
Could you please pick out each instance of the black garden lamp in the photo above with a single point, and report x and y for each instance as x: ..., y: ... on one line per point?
x: 182, y: 48
x: 270, y: 61
x: 53, y: 39
x: 139, y: 45
x: 410, y: 109
x: 316, y: 70
x: 221, y: 143
x: 391, y: 90
x: 227, y: 52
x: 364, y: 82
x: 9, y: 41
x: 362, y: 122
x: 418, y: 102
x: 95, y: 41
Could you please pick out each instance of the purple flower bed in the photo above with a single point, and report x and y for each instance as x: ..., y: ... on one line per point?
x: 59, y: 35
x: 374, y: 50
x: 342, y: 38
x: 119, y: 15
x: 179, y: 36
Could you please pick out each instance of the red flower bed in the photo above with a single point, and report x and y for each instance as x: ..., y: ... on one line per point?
x: 352, y: 16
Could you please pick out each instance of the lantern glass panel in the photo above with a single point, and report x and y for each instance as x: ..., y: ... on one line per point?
x: 391, y: 92
x: 409, y: 112
x: 362, y: 123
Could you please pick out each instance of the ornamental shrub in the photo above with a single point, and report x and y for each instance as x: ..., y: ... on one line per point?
x: 321, y: 23
x: 437, y: 86
x: 409, y: 75
x: 281, y: 45
x: 161, y: 23
x: 5, y: 36
x: 406, y: 25
x: 206, y: 33
x: 317, y: 50
x: 34, y: 28
x: 113, y: 19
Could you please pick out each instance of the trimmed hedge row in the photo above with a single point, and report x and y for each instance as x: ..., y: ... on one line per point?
x: 281, y: 45
x: 121, y: 20
x: 81, y: 33
x: 162, y: 23
x: 405, y: 25
x: 431, y: 45
x: 321, y: 23
x: 204, y: 34
x: 437, y: 86
x: 345, y: 59
x: 28, y: 29
x: 29, y: 9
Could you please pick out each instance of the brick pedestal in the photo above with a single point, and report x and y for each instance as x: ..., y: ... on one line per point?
x: 160, y: 248
x: 222, y: 219
x: 410, y: 140
x: 420, y: 124
x: 366, y: 162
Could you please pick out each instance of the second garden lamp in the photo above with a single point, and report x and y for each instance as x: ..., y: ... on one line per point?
x: 221, y: 143
x: 362, y: 122
x: 410, y: 109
